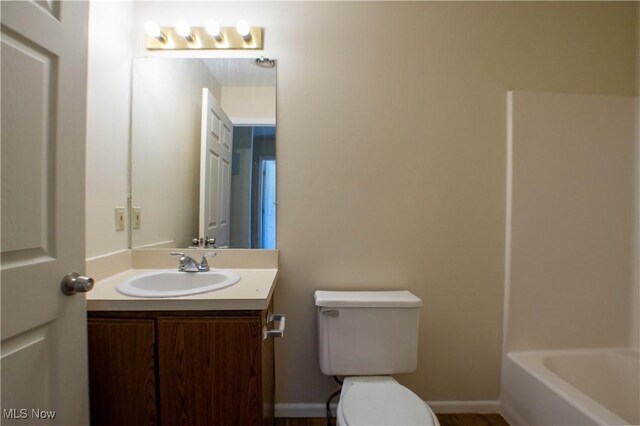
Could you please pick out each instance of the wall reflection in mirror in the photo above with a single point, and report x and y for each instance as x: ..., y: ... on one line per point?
x: 203, y: 156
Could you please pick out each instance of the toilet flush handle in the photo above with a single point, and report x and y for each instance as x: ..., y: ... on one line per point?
x: 276, y: 332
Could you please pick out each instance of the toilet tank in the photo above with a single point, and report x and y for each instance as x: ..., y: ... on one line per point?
x: 367, y: 332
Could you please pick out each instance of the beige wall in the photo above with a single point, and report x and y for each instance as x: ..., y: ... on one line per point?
x: 571, y: 220
x: 391, y: 157
x: 108, y: 108
x: 635, y: 253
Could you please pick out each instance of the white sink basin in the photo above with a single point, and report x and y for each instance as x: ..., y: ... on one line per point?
x: 172, y: 283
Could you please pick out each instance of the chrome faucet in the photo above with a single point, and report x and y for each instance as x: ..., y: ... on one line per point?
x: 189, y: 264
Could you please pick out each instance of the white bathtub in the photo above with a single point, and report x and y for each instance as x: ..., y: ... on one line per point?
x: 572, y: 387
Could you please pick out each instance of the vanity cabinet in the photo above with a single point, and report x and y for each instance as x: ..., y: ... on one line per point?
x: 180, y: 368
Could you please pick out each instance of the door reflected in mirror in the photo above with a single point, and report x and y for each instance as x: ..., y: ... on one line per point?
x: 203, y: 155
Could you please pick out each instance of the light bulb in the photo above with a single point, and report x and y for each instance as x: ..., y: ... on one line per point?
x: 152, y: 29
x: 213, y: 29
x: 244, y: 29
x: 183, y: 29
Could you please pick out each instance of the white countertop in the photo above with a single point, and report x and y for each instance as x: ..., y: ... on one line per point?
x: 252, y: 292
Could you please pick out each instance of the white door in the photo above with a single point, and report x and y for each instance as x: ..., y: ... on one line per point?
x: 215, y: 171
x: 44, y: 360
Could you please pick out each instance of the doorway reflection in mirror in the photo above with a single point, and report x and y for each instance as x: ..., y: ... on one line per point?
x: 253, y: 186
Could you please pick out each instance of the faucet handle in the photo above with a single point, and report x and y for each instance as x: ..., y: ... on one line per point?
x: 176, y: 253
x: 204, y: 265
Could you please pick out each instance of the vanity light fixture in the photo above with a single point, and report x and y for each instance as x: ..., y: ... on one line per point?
x: 212, y: 36
x: 213, y: 29
x: 183, y: 29
x: 244, y: 29
x: 153, y: 30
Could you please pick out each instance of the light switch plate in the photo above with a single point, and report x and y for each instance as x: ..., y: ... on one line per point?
x: 137, y: 217
x: 119, y: 218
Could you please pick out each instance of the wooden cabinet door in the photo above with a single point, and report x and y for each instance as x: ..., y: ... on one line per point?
x: 210, y: 371
x: 122, y: 372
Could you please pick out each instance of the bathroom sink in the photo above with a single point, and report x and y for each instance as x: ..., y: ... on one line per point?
x: 172, y: 283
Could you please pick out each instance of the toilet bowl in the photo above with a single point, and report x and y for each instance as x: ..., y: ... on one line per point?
x: 366, y: 336
x: 381, y: 400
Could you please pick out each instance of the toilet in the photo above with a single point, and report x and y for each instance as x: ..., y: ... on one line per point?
x: 366, y: 336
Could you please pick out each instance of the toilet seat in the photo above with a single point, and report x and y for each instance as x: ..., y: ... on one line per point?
x: 383, y: 403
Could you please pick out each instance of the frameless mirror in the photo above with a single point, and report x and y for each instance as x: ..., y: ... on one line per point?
x: 203, y: 163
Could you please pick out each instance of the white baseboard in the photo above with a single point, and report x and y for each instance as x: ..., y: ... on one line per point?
x: 481, y: 407
x: 292, y: 410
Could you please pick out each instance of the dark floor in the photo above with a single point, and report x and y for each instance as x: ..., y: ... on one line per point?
x: 445, y: 420
x: 472, y: 420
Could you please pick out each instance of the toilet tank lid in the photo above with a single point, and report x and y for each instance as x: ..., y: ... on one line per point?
x: 367, y: 299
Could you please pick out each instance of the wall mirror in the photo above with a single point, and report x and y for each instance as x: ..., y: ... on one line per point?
x: 203, y: 159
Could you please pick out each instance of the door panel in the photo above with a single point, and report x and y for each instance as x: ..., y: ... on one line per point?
x: 212, y: 197
x: 225, y: 179
x: 27, y: 197
x: 32, y: 348
x: 44, y: 60
x: 225, y: 176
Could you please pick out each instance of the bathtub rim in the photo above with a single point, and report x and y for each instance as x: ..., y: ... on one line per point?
x: 532, y: 361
